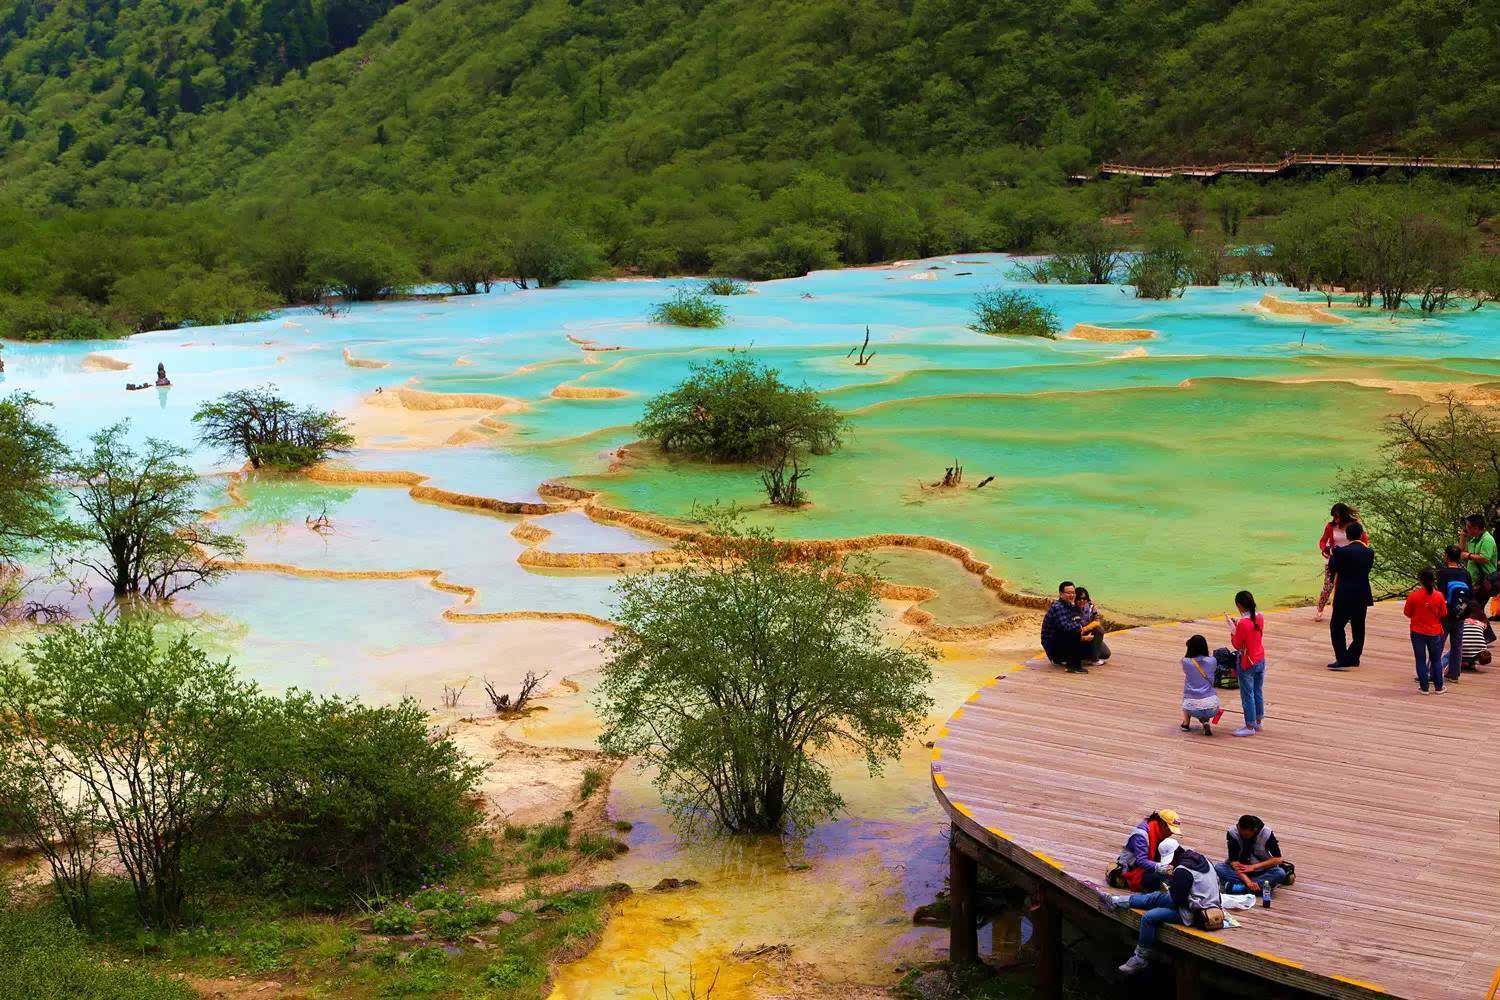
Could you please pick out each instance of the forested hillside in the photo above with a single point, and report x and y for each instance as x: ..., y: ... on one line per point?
x: 167, y: 161
x: 144, y: 101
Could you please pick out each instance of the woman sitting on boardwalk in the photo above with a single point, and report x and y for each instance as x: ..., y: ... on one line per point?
x: 1199, y: 700
x: 1247, y: 636
x: 1139, y: 866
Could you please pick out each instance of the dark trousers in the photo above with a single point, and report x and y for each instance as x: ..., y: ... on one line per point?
x: 1455, y: 628
x: 1065, y: 648
x: 1351, y: 616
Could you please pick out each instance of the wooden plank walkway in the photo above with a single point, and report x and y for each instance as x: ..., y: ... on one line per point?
x: 1324, y: 161
x: 1387, y: 801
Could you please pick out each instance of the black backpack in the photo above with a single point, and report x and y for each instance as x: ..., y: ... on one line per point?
x: 1226, y: 669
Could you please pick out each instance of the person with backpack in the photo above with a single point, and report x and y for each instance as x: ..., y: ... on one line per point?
x: 1453, y: 581
x: 1139, y: 866
x: 1352, y: 597
x: 1426, y: 607
x: 1247, y: 636
x: 1254, y: 862
x: 1191, y: 898
x: 1199, y: 699
x: 1335, y: 534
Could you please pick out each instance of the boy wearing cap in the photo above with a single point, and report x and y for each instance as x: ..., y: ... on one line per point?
x: 1139, y: 863
x: 1192, y: 890
x: 1255, y: 860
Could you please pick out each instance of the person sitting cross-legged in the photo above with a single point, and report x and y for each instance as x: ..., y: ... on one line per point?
x: 1255, y: 863
x: 1191, y: 897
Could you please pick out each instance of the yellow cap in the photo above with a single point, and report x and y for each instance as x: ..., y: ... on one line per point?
x: 1170, y: 817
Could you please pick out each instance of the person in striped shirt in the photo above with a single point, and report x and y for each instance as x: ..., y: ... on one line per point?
x: 1476, y: 641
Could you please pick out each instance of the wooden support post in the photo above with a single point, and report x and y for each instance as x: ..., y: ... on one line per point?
x: 1189, y: 977
x: 1046, y: 930
x: 963, y: 892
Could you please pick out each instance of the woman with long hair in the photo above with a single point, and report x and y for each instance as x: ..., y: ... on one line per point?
x: 1427, y: 607
x: 1199, y: 700
x: 1335, y: 533
x: 1247, y: 636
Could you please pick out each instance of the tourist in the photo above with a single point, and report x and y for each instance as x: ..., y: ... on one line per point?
x: 1062, y: 632
x: 1254, y: 863
x: 1092, y: 627
x: 1139, y: 866
x: 1199, y: 700
x: 1247, y: 636
x: 1453, y: 581
x: 1335, y: 534
x: 1427, y: 607
x: 1476, y: 648
x: 1479, y: 555
x: 1351, y: 597
x: 1190, y: 898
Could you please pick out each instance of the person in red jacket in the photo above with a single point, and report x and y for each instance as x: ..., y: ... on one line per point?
x: 1427, y: 607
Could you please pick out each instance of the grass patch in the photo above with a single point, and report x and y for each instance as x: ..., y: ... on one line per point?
x: 593, y: 846
x: 593, y: 778
x: 725, y: 286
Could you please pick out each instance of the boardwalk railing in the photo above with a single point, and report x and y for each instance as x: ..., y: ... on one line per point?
x: 1299, y: 160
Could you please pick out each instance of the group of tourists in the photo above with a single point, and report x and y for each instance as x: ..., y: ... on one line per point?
x: 1176, y: 885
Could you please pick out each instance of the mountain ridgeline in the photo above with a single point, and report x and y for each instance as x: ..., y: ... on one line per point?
x: 269, y: 150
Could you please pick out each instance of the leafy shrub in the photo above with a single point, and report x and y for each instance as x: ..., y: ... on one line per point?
x: 514, y: 971
x: 398, y: 919
x: 688, y: 307
x: 336, y: 798
x: 1163, y: 269
x: 1007, y: 312
x: 789, y: 251
x: 269, y: 430
x: 725, y: 286
x: 735, y: 410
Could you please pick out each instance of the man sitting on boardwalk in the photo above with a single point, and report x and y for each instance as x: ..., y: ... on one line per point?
x: 1191, y: 896
x: 1255, y: 863
x: 1064, y: 635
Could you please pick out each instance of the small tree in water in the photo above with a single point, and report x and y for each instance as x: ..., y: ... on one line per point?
x: 732, y: 674
x: 269, y: 430
x: 1003, y: 312
x: 140, y: 528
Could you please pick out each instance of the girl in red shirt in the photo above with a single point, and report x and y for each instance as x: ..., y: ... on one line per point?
x: 1247, y: 636
x: 1427, y: 607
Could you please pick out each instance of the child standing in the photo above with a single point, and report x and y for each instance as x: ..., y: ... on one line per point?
x: 1199, y: 700
x: 1426, y: 607
x: 1247, y: 636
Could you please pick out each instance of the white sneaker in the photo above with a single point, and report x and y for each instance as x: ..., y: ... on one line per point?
x: 1117, y: 902
x: 1245, y: 731
x: 1134, y: 964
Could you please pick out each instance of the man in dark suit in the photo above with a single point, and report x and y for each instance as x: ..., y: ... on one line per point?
x: 1350, y: 565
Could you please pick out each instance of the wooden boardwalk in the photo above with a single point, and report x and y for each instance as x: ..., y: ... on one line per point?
x: 1387, y: 801
x: 1290, y: 164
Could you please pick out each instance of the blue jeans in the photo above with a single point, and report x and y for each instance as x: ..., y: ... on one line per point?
x: 1428, y: 650
x: 1233, y: 883
x: 1253, y: 693
x: 1159, y: 910
x: 1455, y: 654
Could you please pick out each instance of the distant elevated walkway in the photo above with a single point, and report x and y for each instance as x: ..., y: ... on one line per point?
x: 1292, y: 164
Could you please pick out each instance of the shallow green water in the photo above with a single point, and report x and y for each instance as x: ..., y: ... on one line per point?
x: 1165, y: 474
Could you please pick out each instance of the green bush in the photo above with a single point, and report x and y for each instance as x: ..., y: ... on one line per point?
x: 725, y: 286
x: 688, y: 307
x: 735, y: 410
x: 395, y: 919
x: 514, y: 971
x: 335, y: 798
x: 1007, y: 312
x: 34, y: 319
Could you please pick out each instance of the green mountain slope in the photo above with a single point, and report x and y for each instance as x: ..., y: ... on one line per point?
x: 626, y: 97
